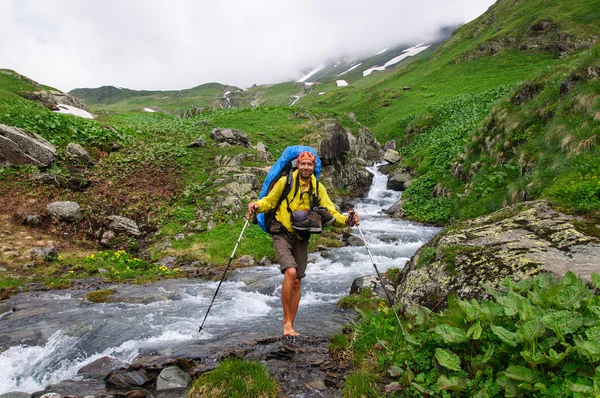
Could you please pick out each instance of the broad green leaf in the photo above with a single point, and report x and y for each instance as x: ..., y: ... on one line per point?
x: 534, y: 359
x: 407, y: 377
x: 453, y: 383
x: 544, y: 281
x: 511, y: 304
x: 489, y: 353
x: 450, y: 334
x: 471, y: 310
x: 582, y: 388
x: 556, y: 357
x: 521, y: 374
x: 419, y: 313
x: 593, y: 333
x: 590, y: 349
x: 475, y: 331
x: 594, y: 309
x: 563, y: 322
x: 548, y: 342
x: 510, y: 387
x: 447, y: 359
x: 596, y: 280
x: 568, y: 297
x: 569, y: 279
x: 506, y: 336
x: 524, y: 285
x: 530, y: 330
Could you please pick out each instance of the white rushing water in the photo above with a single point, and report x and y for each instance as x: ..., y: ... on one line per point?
x: 75, y: 334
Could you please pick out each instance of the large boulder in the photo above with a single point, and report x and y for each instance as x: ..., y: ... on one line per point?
x: 392, y: 156
x: 345, y: 155
x: 51, y: 99
x: 516, y: 242
x: 399, y: 180
x: 230, y: 136
x: 21, y: 146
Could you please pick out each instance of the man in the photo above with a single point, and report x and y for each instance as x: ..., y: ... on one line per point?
x: 291, y: 244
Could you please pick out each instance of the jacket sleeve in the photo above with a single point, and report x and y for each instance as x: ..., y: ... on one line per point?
x: 270, y: 201
x: 340, y: 219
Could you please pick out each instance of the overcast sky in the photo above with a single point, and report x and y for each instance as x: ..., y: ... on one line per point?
x: 177, y: 44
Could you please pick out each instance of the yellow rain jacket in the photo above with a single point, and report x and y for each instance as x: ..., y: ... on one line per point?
x: 300, y: 201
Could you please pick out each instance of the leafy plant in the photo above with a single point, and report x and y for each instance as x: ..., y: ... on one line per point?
x: 537, y: 337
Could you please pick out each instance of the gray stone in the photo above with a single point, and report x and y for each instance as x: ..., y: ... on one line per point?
x: 230, y: 136
x: 372, y: 283
x: 127, y: 379
x: 20, y: 146
x: 179, y: 237
x: 167, y: 261
x: 65, y: 211
x: 15, y: 394
x: 124, y: 224
x: 391, y: 144
x: 172, y: 377
x: 354, y: 240
x: 399, y: 180
x: 32, y: 219
x: 391, y: 156
x: 79, y: 152
x: 246, y: 261
x: 46, y: 253
x: 101, y: 367
x: 199, y: 143
x: 107, y: 236
x: 260, y: 147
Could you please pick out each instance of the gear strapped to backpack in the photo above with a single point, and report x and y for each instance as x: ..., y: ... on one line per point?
x: 285, y: 167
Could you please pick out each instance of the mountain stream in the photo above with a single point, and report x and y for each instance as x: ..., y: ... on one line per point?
x: 52, y: 334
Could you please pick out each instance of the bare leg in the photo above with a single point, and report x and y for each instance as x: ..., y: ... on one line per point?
x: 290, y: 299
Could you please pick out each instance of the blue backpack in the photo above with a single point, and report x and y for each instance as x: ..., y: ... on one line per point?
x: 284, y: 166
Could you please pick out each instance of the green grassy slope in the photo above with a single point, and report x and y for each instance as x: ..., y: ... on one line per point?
x: 113, y: 99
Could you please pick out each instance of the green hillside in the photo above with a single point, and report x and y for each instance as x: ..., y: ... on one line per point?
x: 113, y: 99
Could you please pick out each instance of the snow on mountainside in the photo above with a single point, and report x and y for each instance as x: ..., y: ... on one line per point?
x: 353, y: 68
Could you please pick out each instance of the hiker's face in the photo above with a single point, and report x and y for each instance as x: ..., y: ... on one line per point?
x: 306, y: 168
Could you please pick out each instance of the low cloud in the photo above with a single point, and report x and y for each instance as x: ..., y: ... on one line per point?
x: 153, y: 44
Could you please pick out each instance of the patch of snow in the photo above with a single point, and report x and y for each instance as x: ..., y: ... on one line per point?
x: 227, y: 93
x: 382, y: 51
x: 355, y: 66
x: 322, y: 92
x: 71, y: 110
x: 309, y: 83
x: 409, y: 52
x: 149, y: 110
x: 341, y: 83
x: 297, y: 97
x: 312, y: 72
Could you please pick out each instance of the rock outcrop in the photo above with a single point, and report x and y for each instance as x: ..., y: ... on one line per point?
x: 21, y: 146
x: 345, y: 155
x: 516, y: 242
x: 230, y: 136
x: 51, y: 99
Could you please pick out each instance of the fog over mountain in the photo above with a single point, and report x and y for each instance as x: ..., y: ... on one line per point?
x: 152, y: 44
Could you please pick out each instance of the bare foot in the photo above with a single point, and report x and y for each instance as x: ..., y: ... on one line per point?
x: 288, y: 330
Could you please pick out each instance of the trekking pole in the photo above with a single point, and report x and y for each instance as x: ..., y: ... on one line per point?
x: 379, y: 276
x: 224, y: 273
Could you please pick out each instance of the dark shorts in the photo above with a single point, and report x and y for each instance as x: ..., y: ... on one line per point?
x: 291, y: 252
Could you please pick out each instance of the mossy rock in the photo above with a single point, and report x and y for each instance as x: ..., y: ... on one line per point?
x: 99, y: 296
